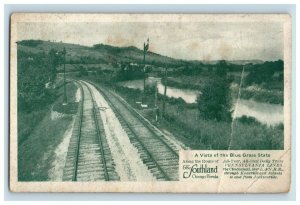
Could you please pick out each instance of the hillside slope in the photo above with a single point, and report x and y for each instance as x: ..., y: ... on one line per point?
x: 99, y: 53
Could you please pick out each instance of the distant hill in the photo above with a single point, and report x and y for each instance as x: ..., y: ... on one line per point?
x: 99, y: 53
x: 237, y: 62
x: 244, y: 62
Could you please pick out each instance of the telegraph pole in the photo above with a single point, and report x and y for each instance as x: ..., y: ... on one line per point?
x: 146, y: 47
x: 165, y: 91
x: 144, y: 62
x: 65, y: 91
x: 155, y: 102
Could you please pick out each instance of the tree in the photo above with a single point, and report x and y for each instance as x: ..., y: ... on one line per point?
x: 34, y: 70
x: 214, y: 102
x: 55, y: 58
x: 263, y: 73
x: 83, y: 71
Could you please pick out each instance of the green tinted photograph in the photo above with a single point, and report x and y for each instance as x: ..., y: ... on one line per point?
x: 117, y: 101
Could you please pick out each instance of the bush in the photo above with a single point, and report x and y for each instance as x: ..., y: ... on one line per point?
x: 214, y: 102
x: 82, y: 72
x: 30, y: 43
x: 263, y: 96
x: 263, y: 73
x: 34, y: 71
x: 247, y: 120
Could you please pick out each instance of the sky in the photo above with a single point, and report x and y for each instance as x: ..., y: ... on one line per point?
x: 191, y: 41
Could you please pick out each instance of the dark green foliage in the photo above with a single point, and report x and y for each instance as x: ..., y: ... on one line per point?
x: 256, y: 136
x: 55, y: 59
x: 34, y: 71
x: 191, y: 70
x: 221, y: 68
x: 30, y: 43
x: 82, y: 71
x: 174, y: 101
x: 36, y: 154
x: 113, y: 49
x: 264, y: 73
x: 214, y: 102
x: 247, y: 120
x: 27, y: 122
x: 130, y: 72
x: 39, y: 135
x: 234, y: 67
x: 263, y: 96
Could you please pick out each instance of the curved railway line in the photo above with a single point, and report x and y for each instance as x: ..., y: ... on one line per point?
x: 89, y: 157
x: 157, y: 152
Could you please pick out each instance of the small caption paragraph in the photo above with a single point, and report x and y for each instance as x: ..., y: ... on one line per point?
x: 198, y: 165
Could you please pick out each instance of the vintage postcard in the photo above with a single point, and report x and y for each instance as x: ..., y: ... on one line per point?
x: 150, y: 103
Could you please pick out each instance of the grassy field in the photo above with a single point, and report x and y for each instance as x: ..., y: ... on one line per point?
x: 36, y: 149
x: 210, y: 134
x: 28, y: 121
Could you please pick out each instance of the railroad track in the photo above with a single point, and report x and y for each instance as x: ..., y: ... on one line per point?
x: 156, y: 152
x: 89, y: 157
